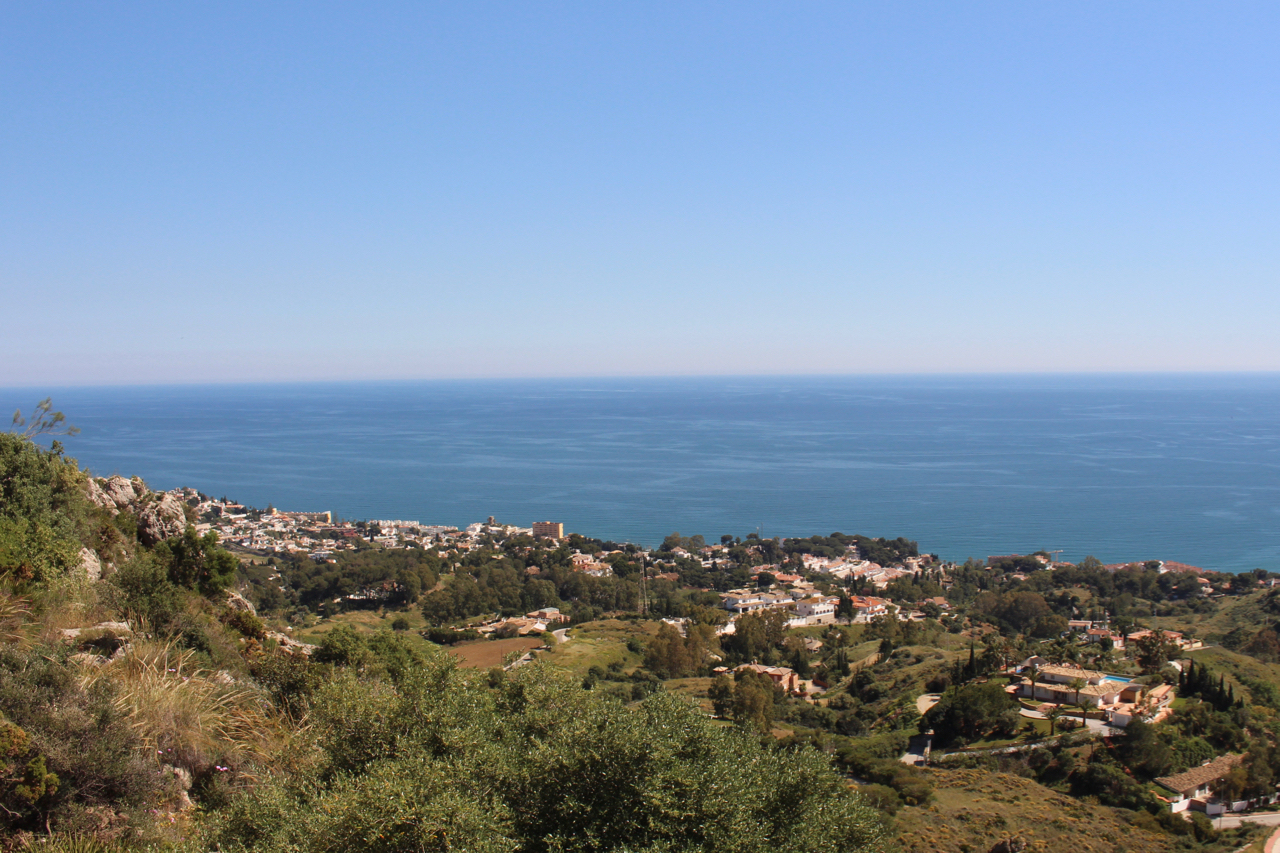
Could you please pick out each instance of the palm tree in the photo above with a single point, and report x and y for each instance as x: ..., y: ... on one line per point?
x: 1078, y: 684
x: 1053, y: 715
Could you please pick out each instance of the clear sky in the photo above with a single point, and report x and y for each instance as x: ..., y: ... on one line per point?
x: 274, y: 191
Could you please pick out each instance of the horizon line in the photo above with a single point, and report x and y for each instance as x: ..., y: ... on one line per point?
x: 507, y: 378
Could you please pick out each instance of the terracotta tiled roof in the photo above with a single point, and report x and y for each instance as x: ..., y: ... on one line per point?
x: 1197, y: 777
x: 1071, y: 672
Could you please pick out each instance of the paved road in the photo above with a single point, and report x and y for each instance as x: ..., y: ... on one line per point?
x: 1263, y: 819
x: 926, y: 701
x: 559, y: 634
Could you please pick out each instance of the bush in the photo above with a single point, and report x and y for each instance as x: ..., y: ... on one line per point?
x: 143, y: 591
x: 290, y: 681
x: 341, y: 646
x: 881, y: 797
x: 444, y: 761
x: 449, y: 636
x: 245, y: 623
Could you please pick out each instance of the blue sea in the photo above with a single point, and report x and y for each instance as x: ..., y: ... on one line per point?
x: 1182, y: 468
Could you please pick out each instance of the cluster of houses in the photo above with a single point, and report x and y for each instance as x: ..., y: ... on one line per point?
x: 849, y: 569
x: 318, y: 536
x: 805, y: 606
x: 1101, y: 632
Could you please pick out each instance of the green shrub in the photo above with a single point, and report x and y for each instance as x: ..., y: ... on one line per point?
x: 245, y: 623
x: 444, y: 760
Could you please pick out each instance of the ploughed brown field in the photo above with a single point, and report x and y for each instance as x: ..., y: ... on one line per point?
x: 483, y: 654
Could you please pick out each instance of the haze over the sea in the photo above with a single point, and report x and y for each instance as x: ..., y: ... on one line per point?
x: 1183, y: 468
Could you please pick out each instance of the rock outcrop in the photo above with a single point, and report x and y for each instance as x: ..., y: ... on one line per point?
x: 160, y: 515
x: 182, y: 782
x: 115, y: 629
x: 122, y: 493
x: 96, y: 495
x: 90, y: 563
x: 160, y: 519
x: 290, y: 645
x: 236, y: 601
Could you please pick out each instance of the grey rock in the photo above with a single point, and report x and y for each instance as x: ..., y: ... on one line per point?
x: 291, y: 645
x: 96, y: 496
x: 117, y: 629
x: 121, y: 492
x: 182, y: 779
x: 236, y: 601
x: 91, y: 564
x: 160, y: 519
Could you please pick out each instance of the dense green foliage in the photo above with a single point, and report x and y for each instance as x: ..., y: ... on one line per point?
x: 447, y: 761
x: 971, y: 712
x: 43, y: 515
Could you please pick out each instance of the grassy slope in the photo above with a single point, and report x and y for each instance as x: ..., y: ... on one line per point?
x: 1237, y: 666
x: 975, y: 809
x: 366, y: 622
x: 601, y: 644
x: 1231, y: 612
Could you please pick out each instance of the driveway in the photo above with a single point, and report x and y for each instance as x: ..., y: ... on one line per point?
x: 926, y: 701
x: 917, y: 750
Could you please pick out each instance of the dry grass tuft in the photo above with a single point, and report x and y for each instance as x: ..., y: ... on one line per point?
x: 14, y: 613
x: 185, y: 714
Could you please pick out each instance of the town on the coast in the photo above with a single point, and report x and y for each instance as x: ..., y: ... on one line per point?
x: 1013, y: 702
x: 1069, y: 674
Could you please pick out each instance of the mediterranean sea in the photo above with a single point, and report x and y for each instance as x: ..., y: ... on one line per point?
x: 1125, y: 468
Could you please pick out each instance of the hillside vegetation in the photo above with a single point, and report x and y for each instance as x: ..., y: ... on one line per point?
x: 142, y: 706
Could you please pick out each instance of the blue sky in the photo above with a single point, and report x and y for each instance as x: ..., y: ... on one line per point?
x: 249, y: 191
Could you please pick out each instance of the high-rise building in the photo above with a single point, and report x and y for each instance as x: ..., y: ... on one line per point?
x: 553, y: 529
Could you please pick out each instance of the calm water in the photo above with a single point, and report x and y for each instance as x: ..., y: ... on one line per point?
x: 1125, y: 468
